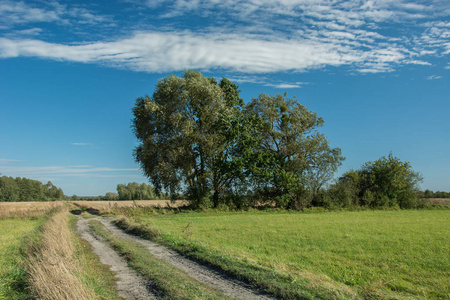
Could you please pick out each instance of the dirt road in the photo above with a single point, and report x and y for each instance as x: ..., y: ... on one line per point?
x: 230, y: 287
x: 129, y: 284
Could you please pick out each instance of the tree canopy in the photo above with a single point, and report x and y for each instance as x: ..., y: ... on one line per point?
x: 197, y: 136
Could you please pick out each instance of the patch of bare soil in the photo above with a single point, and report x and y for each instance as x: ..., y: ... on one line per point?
x: 230, y: 287
x: 129, y: 284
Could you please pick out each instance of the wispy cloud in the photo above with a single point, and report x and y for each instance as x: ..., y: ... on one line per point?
x: 5, y: 160
x: 159, y: 52
x: 80, y: 144
x: 433, y: 77
x: 266, y: 81
x: 24, y: 12
x: 274, y: 36
x: 68, y: 171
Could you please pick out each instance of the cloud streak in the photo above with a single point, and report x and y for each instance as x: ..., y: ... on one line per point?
x: 68, y: 171
x: 163, y: 52
x: 80, y: 144
x: 5, y: 160
x: 20, y: 12
x: 256, y: 36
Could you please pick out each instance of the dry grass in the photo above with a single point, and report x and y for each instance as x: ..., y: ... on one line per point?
x: 27, y: 209
x: 52, y: 268
x: 107, y: 206
x: 442, y: 201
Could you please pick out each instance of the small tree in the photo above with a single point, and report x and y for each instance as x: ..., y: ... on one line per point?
x: 385, y: 182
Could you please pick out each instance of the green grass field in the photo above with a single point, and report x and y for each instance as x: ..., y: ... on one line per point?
x: 12, y: 268
x: 369, y: 254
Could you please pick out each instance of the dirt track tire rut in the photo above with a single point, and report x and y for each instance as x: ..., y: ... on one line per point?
x: 129, y: 284
x: 230, y: 287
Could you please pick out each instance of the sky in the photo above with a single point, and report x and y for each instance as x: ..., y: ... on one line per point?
x: 377, y: 72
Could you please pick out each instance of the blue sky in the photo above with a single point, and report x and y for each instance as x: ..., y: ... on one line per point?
x: 70, y: 71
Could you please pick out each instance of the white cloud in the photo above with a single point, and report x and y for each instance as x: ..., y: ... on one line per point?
x: 23, y: 12
x: 67, y: 171
x: 433, y: 77
x: 273, y: 36
x: 171, y: 51
x: 80, y: 144
x: 20, y: 12
x: 5, y: 160
x: 419, y: 62
x: 285, y: 85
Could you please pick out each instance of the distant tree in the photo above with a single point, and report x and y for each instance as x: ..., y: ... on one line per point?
x: 111, y: 196
x: 136, y: 191
x: 430, y: 194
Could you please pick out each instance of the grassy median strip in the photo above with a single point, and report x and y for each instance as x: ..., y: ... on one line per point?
x: 166, y: 279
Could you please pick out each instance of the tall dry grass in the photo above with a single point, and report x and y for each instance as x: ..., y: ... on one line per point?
x: 52, y: 267
x: 107, y: 207
x: 27, y: 209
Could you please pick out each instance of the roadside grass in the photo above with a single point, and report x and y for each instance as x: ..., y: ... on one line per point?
x: 368, y: 254
x: 13, y: 275
x: 166, y: 279
x: 53, y: 271
x: 60, y: 265
x: 40, y: 257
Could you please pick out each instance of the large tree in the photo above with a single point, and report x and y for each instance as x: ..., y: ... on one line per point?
x: 292, y: 160
x: 197, y: 135
x: 182, y: 137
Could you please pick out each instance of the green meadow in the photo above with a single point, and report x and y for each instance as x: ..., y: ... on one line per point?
x: 12, y: 267
x: 366, y: 254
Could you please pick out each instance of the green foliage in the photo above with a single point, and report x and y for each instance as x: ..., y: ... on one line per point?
x: 431, y: 194
x: 181, y: 134
x: 24, y: 189
x: 386, y: 182
x: 136, y: 191
x: 197, y: 136
x: 291, y: 160
x: 13, y: 274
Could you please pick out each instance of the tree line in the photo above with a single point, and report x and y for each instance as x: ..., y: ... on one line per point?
x: 24, y: 189
x: 198, y: 137
x: 129, y: 191
x: 431, y: 194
